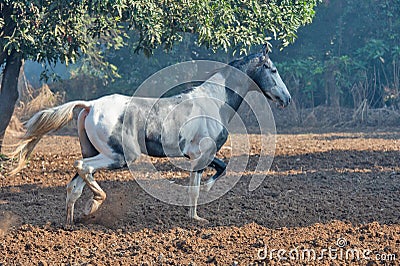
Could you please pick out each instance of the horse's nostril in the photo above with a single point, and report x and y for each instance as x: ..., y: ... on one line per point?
x: 286, y: 101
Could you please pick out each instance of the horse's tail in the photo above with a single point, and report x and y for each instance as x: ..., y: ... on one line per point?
x: 40, y: 124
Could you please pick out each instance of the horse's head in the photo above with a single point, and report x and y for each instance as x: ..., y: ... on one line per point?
x: 263, y: 72
x: 271, y: 84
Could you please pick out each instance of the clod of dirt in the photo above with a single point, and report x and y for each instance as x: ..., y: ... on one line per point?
x: 7, y: 221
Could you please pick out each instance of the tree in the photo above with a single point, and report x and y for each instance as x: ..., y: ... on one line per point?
x: 50, y: 31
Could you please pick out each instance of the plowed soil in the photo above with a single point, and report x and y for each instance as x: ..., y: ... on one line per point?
x: 329, y: 199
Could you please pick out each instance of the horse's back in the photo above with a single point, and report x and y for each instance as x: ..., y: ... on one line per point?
x: 157, y: 127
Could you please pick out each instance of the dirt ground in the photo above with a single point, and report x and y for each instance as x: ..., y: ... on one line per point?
x: 329, y: 199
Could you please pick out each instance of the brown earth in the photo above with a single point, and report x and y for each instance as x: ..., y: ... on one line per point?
x: 335, y: 194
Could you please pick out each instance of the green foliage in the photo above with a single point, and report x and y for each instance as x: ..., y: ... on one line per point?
x: 49, y: 31
x: 225, y: 23
x: 134, y: 68
x: 304, y: 77
x: 355, y: 43
x: 395, y: 53
x: 373, y: 50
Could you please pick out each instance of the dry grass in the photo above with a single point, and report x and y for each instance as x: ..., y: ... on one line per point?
x: 36, y: 100
x: 32, y: 101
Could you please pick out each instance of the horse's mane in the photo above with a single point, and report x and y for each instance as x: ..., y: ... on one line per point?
x: 237, y: 63
x: 210, y: 74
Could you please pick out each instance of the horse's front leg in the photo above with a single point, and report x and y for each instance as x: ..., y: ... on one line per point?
x: 194, y: 192
x: 220, y: 168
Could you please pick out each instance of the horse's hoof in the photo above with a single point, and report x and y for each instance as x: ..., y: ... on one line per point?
x: 200, y: 220
x: 91, y: 206
x: 208, y: 185
x: 68, y: 227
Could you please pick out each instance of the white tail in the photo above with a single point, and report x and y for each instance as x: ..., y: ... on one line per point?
x: 40, y: 124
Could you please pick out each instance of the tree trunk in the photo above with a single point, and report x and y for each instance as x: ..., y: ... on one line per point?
x: 9, y: 91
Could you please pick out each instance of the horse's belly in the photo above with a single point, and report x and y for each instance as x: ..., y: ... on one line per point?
x: 154, y: 148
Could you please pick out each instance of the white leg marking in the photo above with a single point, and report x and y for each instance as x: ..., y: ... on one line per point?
x: 209, y: 184
x: 194, y: 191
x: 86, y: 167
x: 74, y: 191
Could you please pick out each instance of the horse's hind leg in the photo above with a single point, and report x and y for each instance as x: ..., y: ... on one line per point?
x: 86, y: 168
x: 76, y: 185
x: 74, y: 191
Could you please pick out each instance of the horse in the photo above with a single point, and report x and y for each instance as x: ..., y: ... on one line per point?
x: 116, y: 127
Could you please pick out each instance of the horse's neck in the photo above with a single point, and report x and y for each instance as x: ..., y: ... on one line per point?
x: 216, y: 87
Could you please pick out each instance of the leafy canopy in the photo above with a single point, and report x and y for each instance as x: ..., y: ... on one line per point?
x: 48, y: 31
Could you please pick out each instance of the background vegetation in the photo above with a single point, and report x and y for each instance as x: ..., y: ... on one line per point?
x: 92, y: 31
x: 349, y: 56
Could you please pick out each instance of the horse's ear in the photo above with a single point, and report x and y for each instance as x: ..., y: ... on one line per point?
x: 261, y: 58
x: 265, y: 50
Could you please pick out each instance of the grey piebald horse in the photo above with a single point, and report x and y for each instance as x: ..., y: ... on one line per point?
x: 115, y: 130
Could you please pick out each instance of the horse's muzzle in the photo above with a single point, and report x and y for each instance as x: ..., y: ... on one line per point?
x: 285, y: 101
